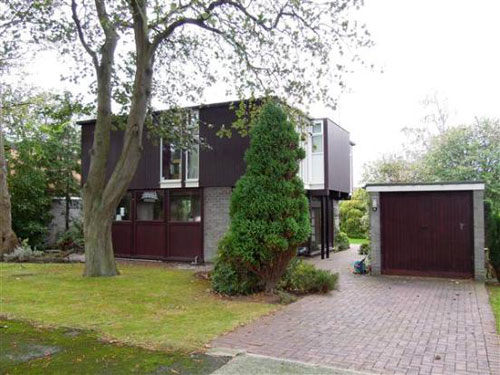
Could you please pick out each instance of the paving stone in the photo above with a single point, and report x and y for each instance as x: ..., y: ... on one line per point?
x: 381, y: 324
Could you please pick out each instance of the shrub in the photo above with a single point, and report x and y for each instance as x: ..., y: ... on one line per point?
x: 72, y: 239
x: 302, y: 278
x: 493, y: 237
x: 354, y: 215
x: 364, y: 249
x: 341, y: 241
x: 269, y: 210
x: 22, y: 253
x: 230, y: 278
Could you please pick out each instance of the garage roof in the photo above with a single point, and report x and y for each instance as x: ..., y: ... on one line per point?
x: 434, y: 186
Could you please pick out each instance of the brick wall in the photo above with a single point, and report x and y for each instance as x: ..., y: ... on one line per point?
x: 216, y: 218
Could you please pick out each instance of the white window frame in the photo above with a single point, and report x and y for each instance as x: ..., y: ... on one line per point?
x: 177, y: 183
x: 313, y: 184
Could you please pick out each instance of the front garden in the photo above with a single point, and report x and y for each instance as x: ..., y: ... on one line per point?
x: 150, y: 306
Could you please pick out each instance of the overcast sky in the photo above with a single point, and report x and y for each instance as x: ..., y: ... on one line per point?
x: 448, y: 47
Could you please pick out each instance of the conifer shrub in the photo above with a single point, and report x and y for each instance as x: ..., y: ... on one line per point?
x: 269, y: 210
x: 493, y: 237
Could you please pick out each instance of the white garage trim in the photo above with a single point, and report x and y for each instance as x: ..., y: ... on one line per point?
x: 382, y: 188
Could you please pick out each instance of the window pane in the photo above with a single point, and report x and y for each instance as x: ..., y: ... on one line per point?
x: 193, y: 162
x: 123, y: 209
x: 150, y: 206
x: 185, y: 207
x: 317, y: 143
x: 171, y: 159
x: 317, y: 129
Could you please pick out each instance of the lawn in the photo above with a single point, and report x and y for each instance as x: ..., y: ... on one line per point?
x: 25, y: 349
x: 153, y: 307
x: 495, y: 302
x: 358, y: 241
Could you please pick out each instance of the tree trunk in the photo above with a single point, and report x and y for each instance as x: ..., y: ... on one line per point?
x: 102, y: 196
x: 8, y: 239
x: 99, y: 257
x: 274, y: 271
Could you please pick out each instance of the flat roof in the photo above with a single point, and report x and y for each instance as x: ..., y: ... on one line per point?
x: 427, y: 186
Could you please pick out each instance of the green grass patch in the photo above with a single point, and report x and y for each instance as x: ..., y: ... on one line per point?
x: 495, y: 302
x: 26, y: 349
x: 358, y: 241
x: 153, y: 307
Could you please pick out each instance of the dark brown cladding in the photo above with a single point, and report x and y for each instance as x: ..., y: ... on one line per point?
x: 338, y: 154
x: 223, y: 163
x: 147, y: 175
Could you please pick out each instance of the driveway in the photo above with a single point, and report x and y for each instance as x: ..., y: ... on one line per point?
x: 381, y: 325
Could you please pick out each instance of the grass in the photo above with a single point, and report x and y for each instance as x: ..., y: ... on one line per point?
x: 495, y: 302
x: 25, y: 349
x: 358, y: 241
x: 153, y: 307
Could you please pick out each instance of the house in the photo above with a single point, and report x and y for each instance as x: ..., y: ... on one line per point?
x: 428, y: 229
x: 177, y: 206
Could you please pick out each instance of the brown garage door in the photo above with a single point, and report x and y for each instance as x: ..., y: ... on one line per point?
x: 427, y: 233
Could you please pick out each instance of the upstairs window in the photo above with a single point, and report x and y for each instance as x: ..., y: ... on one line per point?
x: 171, y: 162
x: 317, y: 137
x: 180, y: 164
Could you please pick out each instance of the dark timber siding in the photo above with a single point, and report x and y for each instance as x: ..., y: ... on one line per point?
x: 147, y: 175
x: 223, y: 164
x: 338, y: 163
x: 427, y: 233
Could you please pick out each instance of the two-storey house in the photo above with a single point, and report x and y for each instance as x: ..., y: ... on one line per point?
x: 177, y: 206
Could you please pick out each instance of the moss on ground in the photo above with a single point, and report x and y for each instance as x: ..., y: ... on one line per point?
x: 25, y: 349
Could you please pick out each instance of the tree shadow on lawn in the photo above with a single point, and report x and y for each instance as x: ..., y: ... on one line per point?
x: 26, y: 349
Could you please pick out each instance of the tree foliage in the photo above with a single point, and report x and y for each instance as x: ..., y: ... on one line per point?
x: 43, y: 148
x: 269, y: 210
x: 461, y: 153
x: 354, y: 215
x: 493, y: 237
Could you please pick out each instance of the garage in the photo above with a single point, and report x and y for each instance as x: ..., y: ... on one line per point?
x: 432, y: 230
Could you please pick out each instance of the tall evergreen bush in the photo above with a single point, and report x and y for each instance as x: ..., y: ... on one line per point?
x: 493, y: 237
x: 269, y: 210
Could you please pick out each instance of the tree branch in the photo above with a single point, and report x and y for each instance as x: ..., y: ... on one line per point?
x: 81, y: 35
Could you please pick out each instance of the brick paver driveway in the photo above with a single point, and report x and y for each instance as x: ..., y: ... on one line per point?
x: 388, y: 325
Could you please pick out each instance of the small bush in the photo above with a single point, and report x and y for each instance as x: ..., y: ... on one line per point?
x: 341, y: 241
x: 304, y: 278
x: 22, y: 253
x: 229, y: 278
x: 364, y: 249
x: 72, y: 239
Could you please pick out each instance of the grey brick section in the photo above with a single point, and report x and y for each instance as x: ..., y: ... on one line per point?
x: 216, y: 218
x: 376, y: 256
x: 478, y: 207
x: 336, y: 216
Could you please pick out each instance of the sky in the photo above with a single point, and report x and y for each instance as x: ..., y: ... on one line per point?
x: 448, y: 48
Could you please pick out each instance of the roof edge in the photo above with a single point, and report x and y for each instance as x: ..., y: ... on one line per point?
x: 426, y: 186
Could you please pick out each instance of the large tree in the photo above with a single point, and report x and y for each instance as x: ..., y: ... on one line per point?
x: 286, y: 47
